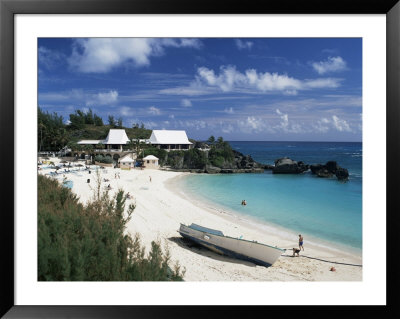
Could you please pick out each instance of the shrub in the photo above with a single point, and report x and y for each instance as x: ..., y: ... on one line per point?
x: 194, y: 158
x: 88, y: 243
x: 103, y: 159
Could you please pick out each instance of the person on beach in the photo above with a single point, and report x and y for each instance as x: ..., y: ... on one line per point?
x: 150, y: 178
x: 301, y: 242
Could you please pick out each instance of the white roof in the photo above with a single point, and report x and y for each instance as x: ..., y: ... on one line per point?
x: 126, y: 158
x: 116, y: 136
x: 150, y: 157
x: 89, y: 142
x: 168, y: 137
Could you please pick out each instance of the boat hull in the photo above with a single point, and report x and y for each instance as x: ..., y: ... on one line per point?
x: 252, y: 251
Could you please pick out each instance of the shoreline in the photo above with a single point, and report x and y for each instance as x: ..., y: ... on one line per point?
x: 251, y: 221
x: 161, y: 207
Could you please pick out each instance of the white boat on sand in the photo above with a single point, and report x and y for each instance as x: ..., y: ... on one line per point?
x: 216, y: 241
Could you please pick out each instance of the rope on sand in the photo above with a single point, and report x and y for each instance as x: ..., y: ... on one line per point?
x: 327, y: 261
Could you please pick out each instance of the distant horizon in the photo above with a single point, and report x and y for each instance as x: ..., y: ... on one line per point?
x: 297, y: 89
x: 297, y: 141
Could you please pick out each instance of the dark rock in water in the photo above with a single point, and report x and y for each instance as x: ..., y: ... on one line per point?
x: 267, y: 166
x: 228, y: 171
x: 315, y: 168
x: 288, y: 166
x: 212, y: 169
x: 332, y: 166
x: 329, y: 169
x: 342, y: 174
x: 324, y: 173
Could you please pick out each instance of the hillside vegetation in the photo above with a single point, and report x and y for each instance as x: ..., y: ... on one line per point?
x: 54, y: 134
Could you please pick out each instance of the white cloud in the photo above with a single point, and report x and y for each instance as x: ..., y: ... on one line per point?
x: 241, y: 45
x: 324, y: 125
x: 321, y: 126
x: 229, y: 79
x: 229, y: 111
x: 49, y: 58
x: 340, y: 125
x: 194, y: 124
x: 100, y: 55
x: 226, y: 128
x: 150, y: 125
x: 153, y: 110
x: 126, y: 111
x: 285, y: 126
x: 186, y: 103
x: 81, y: 97
x: 103, y: 98
x: 333, y: 64
x: 251, y: 124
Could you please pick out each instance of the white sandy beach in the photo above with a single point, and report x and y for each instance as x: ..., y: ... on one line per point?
x: 161, y: 207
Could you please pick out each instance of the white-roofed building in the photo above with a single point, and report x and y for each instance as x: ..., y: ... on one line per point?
x: 170, y: 140
x: 128, y: 161
x: 150, y: 161
x: 114, y: 140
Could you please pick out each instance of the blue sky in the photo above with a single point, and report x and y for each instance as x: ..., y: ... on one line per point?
x: 272, y: 89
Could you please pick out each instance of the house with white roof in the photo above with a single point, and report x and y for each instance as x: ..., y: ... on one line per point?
x: 114, y: 140
x: 127, y: 161
x: 170, y: 140
x: 150, y: 161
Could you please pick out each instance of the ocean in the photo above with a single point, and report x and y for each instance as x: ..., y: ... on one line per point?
x: 324, y: 210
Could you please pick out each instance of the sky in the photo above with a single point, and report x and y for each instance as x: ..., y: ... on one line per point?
x: 243, y: 89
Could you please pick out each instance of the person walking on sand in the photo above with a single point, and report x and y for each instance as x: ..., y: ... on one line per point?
x: 301, y: 242
x: 150, y: 178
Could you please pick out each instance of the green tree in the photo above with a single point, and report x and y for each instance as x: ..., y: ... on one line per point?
x: 111, y: 121
x: 211, y: 140
x: 98, y: 121
x: 89, y: 118
x: 119, y: 122
x: 77, y: 120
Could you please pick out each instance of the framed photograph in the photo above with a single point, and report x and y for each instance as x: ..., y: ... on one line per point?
x: 162, y: 155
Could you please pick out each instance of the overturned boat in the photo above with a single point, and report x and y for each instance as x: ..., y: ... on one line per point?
x: 216, y: 241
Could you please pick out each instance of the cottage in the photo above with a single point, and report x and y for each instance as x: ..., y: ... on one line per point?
x: 170, y: 140
x: 150, y: 161
x: 127, y: 162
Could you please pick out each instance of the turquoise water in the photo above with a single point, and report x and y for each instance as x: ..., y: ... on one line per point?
x: 324, y: 209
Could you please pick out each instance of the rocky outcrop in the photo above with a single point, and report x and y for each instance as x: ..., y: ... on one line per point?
x: 342, y: 174
x: 212, y: 169
x: 288, y: 166
x: 330, y: 169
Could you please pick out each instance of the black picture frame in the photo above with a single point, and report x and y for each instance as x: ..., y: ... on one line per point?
x: 9, y: 8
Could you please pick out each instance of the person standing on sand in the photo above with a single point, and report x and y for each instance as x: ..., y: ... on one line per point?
x: 301, y: 242
x: 150, y: 178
